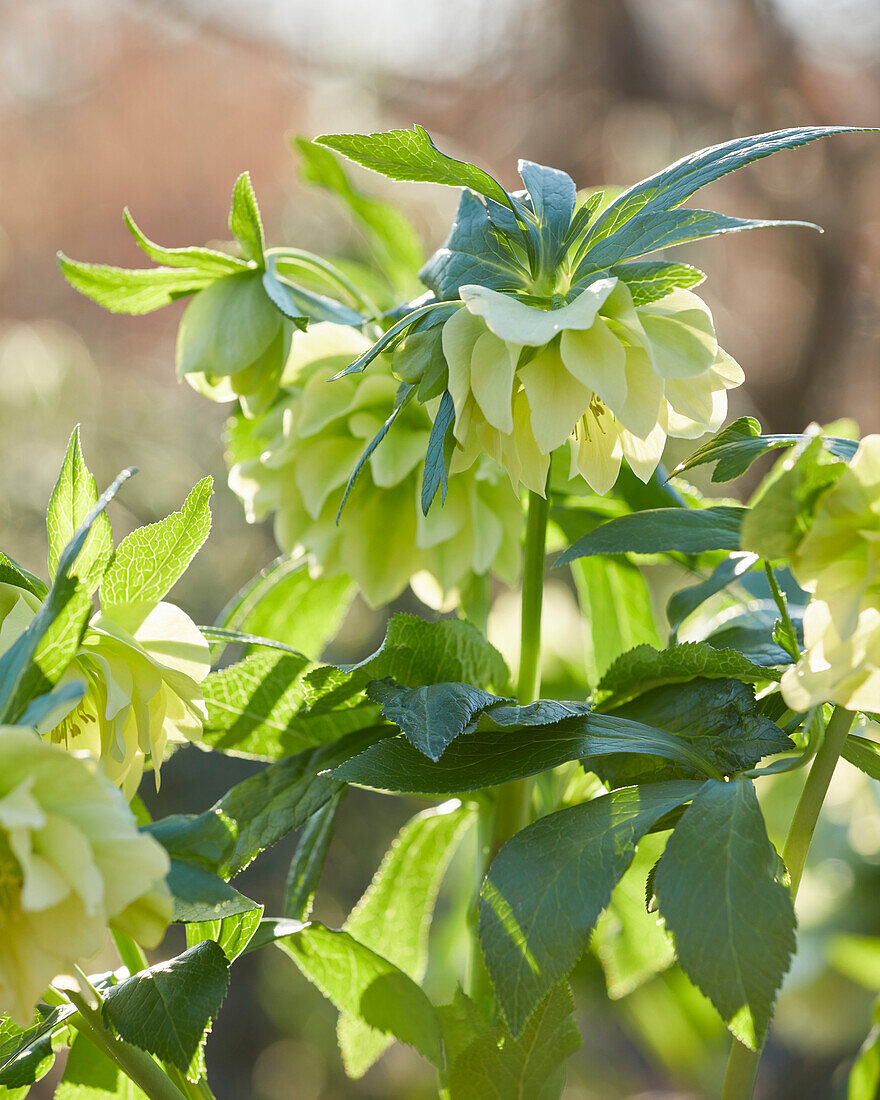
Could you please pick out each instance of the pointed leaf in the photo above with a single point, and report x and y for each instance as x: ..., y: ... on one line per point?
x: 74, y: 496
x: 308, y: 860
x: 547, y: 886
x: 732, y: 920
x: 245, y: 223
x: 435, y: 474
x: 232, y: 933
x: 150, y: 561
x: 205, y: 261
x: 121, y: 290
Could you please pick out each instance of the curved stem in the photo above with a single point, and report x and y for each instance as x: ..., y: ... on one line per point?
x: 135, y: 1063
x: 742, y: 1068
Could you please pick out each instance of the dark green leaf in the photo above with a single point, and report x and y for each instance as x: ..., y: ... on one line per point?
x: 553, y: 196
x: 435, y: 474
x: 718, y: 717
x: 412, y: 155
x: 259, y: 811
x: 165, y: 1010
x: 645, y: 668
x: 19, y: 577
x: 363, y: 984
x: 498, y: 1067
x: 862, y: 754
x: 732, y: 919
x: 547, y: 886
x: 308, y: 860
x: 684, y: 602
x: 493, y: 756
x: 675, y: 184
x: 662, y: 530
x: 395, y: 333
x: 302, y: 305
x: 26, y: 1054
x: 39, y: 709
x: 121, y: 290
x: 200, y: 895
x: 737, y: 446
x: 433, y: 715
x: 750, y: 633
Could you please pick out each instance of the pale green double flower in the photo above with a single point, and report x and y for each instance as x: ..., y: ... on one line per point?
x: 609, y: 378
x: 71, y: 862
x: 295, y: 461
x: 141, y: 665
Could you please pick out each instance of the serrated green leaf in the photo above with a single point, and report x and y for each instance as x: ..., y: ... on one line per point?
x: 265, y: 706
x: 36, y: 659
x: 461, y: 1022
x: 360, y: 982
x: 651, y: 280
x: 391, y: 236
x: 741, y: 443
x: 645, y: 668
x: 731, y: 917
x: 150, y: 561
x: 166, y: 1009
x: 863, y: 754
x: 503, y: 753
x: 675, y: 184
x: 435, y: 474
x: 663, y: 530
x: 394, y: 915
x: 646, y: 233
x: 245, y: 223
x: 412, y: 155
x: 259, y: 811
x: 19, y: 577
x: 122, y: 290
x: 90, y: 1075
x: 205, y: 261
x: 26, y: 1054
x: 433, y: 715
x: 531, y: 1067
x: 717, y: 716
x: 415, y: 652
x: 308, y: 860
x: 232, y: 933
x: 629, y: 941
x: 616, y: 607
x: 200, y: 895
x: 547, y: 886
x: 73, y: 497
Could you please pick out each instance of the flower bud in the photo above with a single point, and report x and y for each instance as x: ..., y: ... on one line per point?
x: 71, y: 862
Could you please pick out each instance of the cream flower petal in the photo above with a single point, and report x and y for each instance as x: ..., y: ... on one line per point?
x: 492, y: 368
x: 681, y: 335
x: 644, y: 394
x: 533, y: 464
x: 643, y: 455
x: 597, y: 359
x: 556, y: 399
x: 597, y: 456
x: 519, y: 323
x: 460, y: 333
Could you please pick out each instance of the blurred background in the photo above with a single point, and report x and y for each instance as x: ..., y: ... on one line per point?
x: 159, y: 104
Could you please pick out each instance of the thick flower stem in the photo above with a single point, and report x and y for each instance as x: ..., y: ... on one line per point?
x: 136, y: 1064
x: 742, y: 1069
x: 514, y: 799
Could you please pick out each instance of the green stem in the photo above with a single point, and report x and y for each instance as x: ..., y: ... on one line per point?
x: 136, y: 1064
x: 130, y: 953
x: 742, y: 1068
x: 789, y: 633
x: 514, y: 799
x: 193, y: 1090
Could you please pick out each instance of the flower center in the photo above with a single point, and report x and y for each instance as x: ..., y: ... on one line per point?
x: 76, y: 724
x: 592, y: 419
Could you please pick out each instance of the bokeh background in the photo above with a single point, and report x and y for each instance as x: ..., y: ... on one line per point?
x: 159, y: 104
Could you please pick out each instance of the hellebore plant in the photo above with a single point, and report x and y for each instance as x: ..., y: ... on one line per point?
x: 439, y: 424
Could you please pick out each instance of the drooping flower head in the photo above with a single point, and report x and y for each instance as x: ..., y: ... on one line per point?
x: 295, y: 461
x: 607, y: 377
x: 141, y: 665
x: 71, y: 862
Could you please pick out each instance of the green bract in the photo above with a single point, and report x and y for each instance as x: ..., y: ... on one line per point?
x: 71, y: 860
x: 295, y: 461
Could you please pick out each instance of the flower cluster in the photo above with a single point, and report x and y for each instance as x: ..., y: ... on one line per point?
x: 295, y: 460
x: 141, y: 665
x: 611, y: 378
x: 71, y: 861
